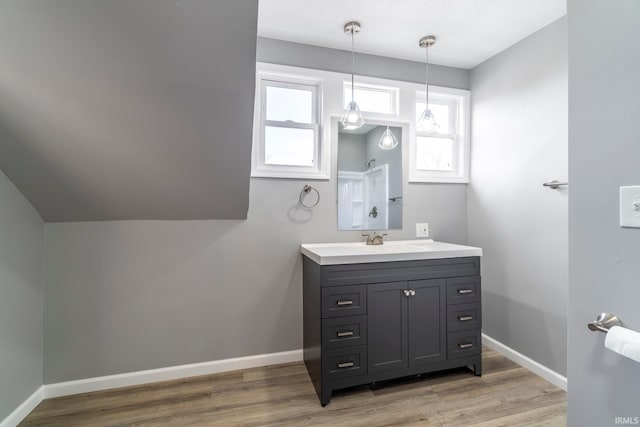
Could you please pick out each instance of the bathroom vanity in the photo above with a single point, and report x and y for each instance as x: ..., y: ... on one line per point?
x: 373, y: 313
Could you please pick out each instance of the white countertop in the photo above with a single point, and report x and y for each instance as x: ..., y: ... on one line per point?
x: 393, y: 250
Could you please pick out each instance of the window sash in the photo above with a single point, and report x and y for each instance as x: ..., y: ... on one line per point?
x: 455, y: 153
x: 266, y: 82
x: 392, y: 91
x: 456, y: 133
x: 316, y: 148
x: 313, y: 87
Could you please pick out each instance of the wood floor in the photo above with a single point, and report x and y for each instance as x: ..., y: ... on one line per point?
x: 505, y: 395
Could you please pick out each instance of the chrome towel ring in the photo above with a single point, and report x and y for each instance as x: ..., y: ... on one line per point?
x: 305, y: 191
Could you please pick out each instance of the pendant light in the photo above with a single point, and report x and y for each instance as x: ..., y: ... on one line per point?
x: 427, y: 121
x: 388, y: 140
x: 352, y: 117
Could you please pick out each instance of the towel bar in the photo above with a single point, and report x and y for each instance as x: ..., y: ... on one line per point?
x: 554, y: 184
x: 604, y: 322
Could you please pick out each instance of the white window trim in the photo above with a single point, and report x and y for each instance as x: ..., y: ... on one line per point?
x: 259, y: 169
x: 461, y: 140
x: 331, y: 92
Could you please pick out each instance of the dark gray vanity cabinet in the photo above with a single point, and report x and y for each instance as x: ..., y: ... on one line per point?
x: 377, y: 321
x: 406, y: 323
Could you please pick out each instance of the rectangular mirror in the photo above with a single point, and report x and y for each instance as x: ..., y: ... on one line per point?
x: 370, y: 177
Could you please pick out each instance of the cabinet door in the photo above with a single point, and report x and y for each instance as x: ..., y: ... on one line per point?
x: 387, y: 326
x: 427, y: 321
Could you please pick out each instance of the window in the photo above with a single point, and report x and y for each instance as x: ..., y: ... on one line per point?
x: 288, y: 143
x: 372, y: 99
x: 295, y: 110
x: 442, y: 156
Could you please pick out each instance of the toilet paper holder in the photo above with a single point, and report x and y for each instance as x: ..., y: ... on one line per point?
x: 604, y: 322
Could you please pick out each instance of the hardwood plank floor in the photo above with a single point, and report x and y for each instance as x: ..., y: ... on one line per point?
x: 505, y: 395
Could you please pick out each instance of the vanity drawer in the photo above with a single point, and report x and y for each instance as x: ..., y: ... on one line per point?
x: 344, y: 331
x: 463, y: 289
x: 344, y: 301
x: 344, y: 362
x: 462, y: 317
x: 463, y: 344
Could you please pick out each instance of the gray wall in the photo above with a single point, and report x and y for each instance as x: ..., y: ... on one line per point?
x: 128, y: 109
x: 132, y: 295
x: 519, y: 134
x: 604, y: 263
x: 352, y: 152
x: 21, y: 298
x: 129, y: 295
x: 322, y: 58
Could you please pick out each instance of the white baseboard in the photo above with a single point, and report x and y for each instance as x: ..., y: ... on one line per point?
x: 144, y: 377
x: 24, y: 409
x: 225, y: 365
x: 548, y: 374
x: 170, y: 373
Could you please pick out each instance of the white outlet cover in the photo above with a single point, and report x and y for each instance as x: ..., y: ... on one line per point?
x: 422, y: 229
x: 630, y: 206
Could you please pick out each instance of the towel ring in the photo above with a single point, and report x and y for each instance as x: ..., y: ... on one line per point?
x: 305, y: 191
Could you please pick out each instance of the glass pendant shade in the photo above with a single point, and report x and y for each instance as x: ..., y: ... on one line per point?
x: 352, y: 117
x: 388, y: 140
x: 427, y: 122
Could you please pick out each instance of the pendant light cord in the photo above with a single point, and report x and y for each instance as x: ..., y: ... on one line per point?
x: 426, y: 78
x: 353, y: 65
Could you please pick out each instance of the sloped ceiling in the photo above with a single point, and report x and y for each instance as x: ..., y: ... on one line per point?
x: 128, y: 109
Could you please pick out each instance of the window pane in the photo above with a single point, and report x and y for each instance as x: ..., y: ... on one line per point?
x: 288, y: 146
x: 370, y: 100
x: 289, y: 104
x: 434, y: 154
x: 440, y: 112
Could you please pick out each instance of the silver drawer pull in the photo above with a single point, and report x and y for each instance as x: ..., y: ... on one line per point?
x: 345, y: 302
x: 465, y: 345
x: 465, y: 318
x: 345, y: 334
x: 465, y: 291
x: 345, y: 365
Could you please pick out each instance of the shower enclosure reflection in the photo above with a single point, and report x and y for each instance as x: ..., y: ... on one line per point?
x: 369, y: 179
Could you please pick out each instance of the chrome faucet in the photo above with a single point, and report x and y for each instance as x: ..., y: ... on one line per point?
x: 374, y: 238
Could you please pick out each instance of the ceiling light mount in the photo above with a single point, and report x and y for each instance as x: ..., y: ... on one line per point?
x: 426, y: 41
x: 352, y: 28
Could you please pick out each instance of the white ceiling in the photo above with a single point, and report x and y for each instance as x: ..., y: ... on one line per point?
x: 468, y: 31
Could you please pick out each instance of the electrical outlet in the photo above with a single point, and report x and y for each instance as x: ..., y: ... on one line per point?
x: 422, y: 229
x: 630, y: 206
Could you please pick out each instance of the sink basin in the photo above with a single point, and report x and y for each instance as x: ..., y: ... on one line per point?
x: 393, y: 250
